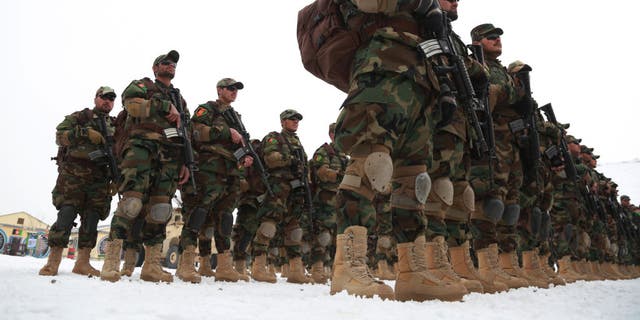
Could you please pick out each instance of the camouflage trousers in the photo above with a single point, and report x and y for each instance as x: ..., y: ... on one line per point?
x: 324, y: 227
x: 84, y: 190
x: 391, y: 112
x: 385, y: 246
x: 504, y: 179
x: 150, y: 171
x: 276, y: 210
x: 244, y: 229
x: 218, y: 190
x: 565, y: 232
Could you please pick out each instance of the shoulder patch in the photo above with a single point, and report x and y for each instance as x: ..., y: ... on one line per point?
x: 141, y: 85
x: 318, y: 157
x: 201, y: 111
x: 272, y: 141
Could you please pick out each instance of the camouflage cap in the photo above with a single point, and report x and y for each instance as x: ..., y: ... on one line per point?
x: 171, y: 56
x: 595, y: 156
x: 290, y: 113
x: 483, y: 30
x: 105, y: 90
x: 572, y: 139
x: 585, y: 149
x: 625, y: 197
x: 228, y: 82
x: 564, y: 125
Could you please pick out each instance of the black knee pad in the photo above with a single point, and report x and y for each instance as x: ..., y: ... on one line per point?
x: 493, y: 209
x: 91, y: 221
x: 511, y: 214
x: 535, y: 220
x: 226, y: 225
x: 196, y: 219
x: 545, y: 225
x: 66, y: 216
x: 568, y: 232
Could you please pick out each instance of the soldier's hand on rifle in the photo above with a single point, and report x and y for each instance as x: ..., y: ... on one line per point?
x: 184, y: 175
x: 95, y: 136
x: 236, y: 137
x: 174, y: 115
x: 247, y: 161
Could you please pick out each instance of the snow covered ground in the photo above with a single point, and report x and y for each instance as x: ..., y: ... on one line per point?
x: 25, y: 295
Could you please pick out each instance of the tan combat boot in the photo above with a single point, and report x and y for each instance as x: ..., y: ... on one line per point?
x: 53, y: 262
x: 151, y: 269
x: 415, y: 282
x: 350, y: 270
x: 438, y: 265
x: 565, y: 270
x: 532, y: 269
x: 205, y: 269
x: 129, y: 264
x: 463, y: 266
x: 317, y: 273
x: 110, y: 267
x: 509, y: 263
x: 489, y: 267
x: 297, y: 272
x: 186, y: 270
x: 595, y: 271
x: 555, y: 278
x: 384, y: 271
x: 259, y: 270
x: 82, y: 266
x: 241, y: 268
x: 224, y: 269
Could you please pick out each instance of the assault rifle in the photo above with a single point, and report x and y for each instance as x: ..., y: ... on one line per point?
x: 234, y: 121
x: 485, y: 118
x: 304, y: 181
x: 107, y: 149
x: 531, y: 158
x: 189, y: 160
x: 569, y: 166
x: 451, y: 66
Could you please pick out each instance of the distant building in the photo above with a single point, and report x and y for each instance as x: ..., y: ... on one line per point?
x: 23, y: 234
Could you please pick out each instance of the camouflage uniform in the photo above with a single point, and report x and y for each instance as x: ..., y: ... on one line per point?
x: 208, y: 211
x: 501, y: 181
x: 83, y: 185
x: 274, y: 214
x: 151, y: 163
x: 246, y: 224
x: 327, y: 169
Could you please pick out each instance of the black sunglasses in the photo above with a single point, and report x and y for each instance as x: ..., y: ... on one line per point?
x: 492, y: 37
x: 452, y: 1
x: 231, y: 88
x: 168, y: 63
x: 107, y: 97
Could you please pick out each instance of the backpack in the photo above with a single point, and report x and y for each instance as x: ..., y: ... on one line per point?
x: 327, y: 44
x: 120, y: 134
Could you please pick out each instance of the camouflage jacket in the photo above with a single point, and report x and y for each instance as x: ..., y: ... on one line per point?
x: 278, y: 149
x: 147, y: 104
x: 72, y: 138
x: 391, y: 49
x: 211, y: 133
x: 327, y: 168
x: 503, y: 94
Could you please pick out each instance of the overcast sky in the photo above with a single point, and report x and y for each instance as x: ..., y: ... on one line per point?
x: 57, y: 53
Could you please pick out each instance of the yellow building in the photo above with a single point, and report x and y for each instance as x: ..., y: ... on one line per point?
x: 23, y: 234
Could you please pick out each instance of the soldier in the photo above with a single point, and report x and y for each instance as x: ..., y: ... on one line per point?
x: 497, y: 184
x: 327, y: 169
x: 215, y: 140
x: 252, y: 195
x: 153, y: 165
x: 84, y: 181
x: 385, y: 126
x: 281, y: 152
x: 451, y: 200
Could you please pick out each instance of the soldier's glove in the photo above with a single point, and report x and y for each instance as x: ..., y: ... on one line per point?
x: 94, y: 136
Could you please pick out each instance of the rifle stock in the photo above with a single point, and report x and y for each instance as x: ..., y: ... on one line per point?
x: 189, y: 162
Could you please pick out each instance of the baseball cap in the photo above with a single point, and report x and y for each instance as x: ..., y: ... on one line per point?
x: 290, y: 113
x: 105, y: 90
x: 572, y: 139
x: 484, y: 30
x: 171, y: 56
x: 227, y: 82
